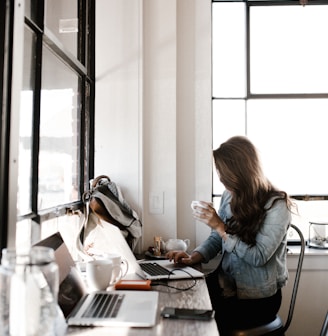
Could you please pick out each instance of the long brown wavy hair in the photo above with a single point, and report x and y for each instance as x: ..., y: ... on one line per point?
x: 239, y: 169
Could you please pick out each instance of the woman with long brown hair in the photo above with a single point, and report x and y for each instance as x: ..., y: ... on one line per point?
x: 250, y: 230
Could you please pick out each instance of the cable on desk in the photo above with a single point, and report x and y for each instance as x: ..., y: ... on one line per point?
x: 161, y: 283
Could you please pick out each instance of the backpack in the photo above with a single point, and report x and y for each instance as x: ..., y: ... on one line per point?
x: 105, y: 205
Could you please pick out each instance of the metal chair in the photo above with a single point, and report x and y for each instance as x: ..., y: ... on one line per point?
x: 324, y: 329
x: 277, y: 327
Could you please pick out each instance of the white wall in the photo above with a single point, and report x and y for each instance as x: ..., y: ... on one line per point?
x: 153, y: 108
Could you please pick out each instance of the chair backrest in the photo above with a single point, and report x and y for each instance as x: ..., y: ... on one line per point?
x: 324, y: 329
x: 297, y: 278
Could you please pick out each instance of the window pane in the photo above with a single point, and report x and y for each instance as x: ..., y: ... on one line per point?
x: 289, y: 57
x: 292, y: 138
x: 59, y: 125
x: 61, y: 17
x: 228, y: 120
x: 25, y: 126
x: 229, y: 61
x: 68, y: 226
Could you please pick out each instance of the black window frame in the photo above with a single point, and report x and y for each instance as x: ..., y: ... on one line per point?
x: 84, y: 65
x: 6, y: 43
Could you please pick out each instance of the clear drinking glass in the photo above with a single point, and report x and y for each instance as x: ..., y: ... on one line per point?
x: 33, y: 281
x: 5, y: 277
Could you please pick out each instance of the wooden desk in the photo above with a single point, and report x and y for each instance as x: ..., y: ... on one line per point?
x: 197, y: 297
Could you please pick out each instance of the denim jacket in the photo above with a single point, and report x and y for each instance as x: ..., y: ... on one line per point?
x: 259, y: 270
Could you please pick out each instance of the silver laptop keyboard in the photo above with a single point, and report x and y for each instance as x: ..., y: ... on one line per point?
x: 104, y: 305
x: 154, y: 269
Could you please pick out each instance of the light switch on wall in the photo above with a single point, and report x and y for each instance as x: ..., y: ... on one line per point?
x: 156, y: 202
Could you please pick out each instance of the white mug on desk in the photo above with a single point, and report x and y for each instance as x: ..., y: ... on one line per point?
x: 121, y: 264
x: 100, y: 274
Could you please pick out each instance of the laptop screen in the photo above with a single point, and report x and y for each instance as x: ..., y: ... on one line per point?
x: 71, y: 285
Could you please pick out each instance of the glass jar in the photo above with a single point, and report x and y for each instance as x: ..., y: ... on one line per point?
x: 5, y: 277
x: 318, y: 235
x: 33, y: 293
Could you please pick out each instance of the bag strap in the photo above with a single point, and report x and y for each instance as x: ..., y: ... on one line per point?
x: 80, y: 236
x: 86, y: 200
x: 87, y: 194
x: 99, y: 178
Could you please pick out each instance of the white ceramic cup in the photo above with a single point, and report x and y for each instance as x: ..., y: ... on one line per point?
x: 100, y: 274
x: 195, y: 204
x: 121, y: 265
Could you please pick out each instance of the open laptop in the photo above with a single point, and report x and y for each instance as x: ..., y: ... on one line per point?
x: 145, y: 269
x: 100, y: 308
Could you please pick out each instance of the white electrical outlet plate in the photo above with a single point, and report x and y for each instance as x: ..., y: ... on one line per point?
x: 156, y: 202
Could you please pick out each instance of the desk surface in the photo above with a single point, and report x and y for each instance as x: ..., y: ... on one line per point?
x: 197, y: 297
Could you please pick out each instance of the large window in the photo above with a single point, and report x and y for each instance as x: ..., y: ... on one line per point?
x: 270, y: 83
x: 270, y: 75
x: 55, y: 131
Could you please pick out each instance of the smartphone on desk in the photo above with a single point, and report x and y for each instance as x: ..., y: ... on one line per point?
x: 187, y: 313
